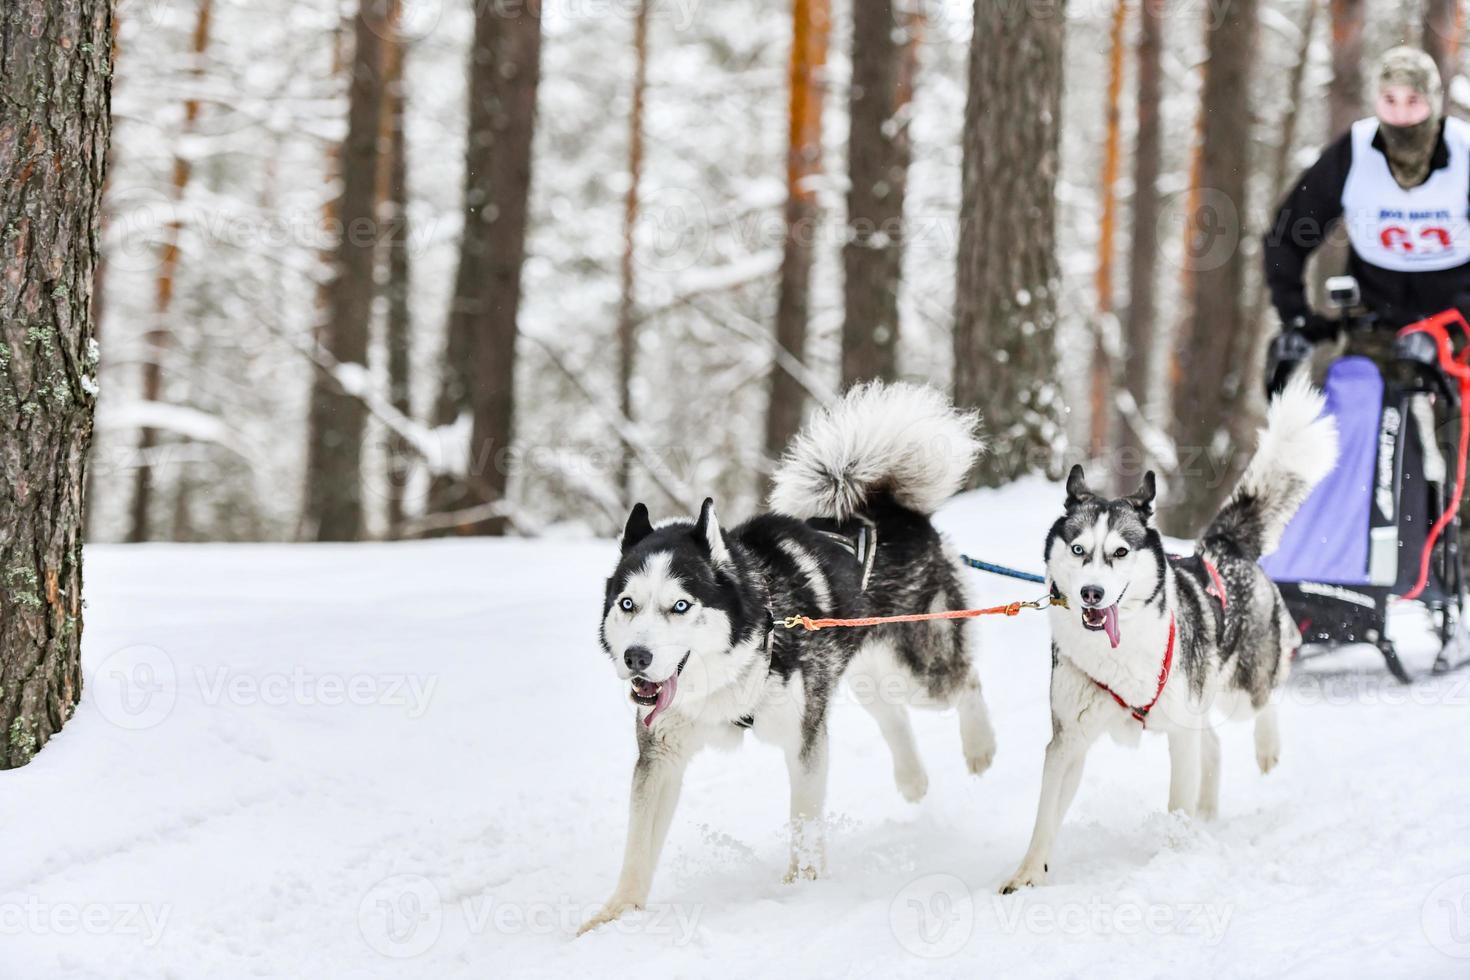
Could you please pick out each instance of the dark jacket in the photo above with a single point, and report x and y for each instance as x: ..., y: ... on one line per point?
x: 1310, y: 213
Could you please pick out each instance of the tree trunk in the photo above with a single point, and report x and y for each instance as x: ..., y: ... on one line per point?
x: 811, y: 24
x: 337, y: 419
x: 1209, y: 354
x: 479, y: 363
x: 1442, y: 29
x: 55, y: 85
x: 885, y: 37
x: 1345, y: 92
x: 1101, y: 408
x: 394, y: 217
x: 627, y: 301
x: 159, y: 339
x: 1281, y: 174
x: 1143, y: 255
x: 1005, y: 359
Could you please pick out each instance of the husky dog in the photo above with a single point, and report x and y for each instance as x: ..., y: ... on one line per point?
x: 1143, y: 640
x: 689, y: 617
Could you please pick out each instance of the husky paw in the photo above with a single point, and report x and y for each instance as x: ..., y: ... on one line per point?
x: 1207, y: 811
x: 1267, y: 758
x: 614, y: 909
x: 1024, y: 878
x: 912, y: 783
x: 802, y: 873
x: 978, y: 762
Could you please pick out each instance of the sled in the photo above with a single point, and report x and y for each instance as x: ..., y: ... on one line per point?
x: 1384, y: 527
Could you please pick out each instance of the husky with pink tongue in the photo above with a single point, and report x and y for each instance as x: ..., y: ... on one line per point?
x: 689, y: 618
x: 1142, y: 640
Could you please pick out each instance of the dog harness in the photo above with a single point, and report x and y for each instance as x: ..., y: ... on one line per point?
x: 1217, y: 589
x: 1217, y: 585
x: 1141, y: 714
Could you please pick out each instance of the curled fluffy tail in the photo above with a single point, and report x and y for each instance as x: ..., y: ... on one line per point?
x: 905, y: 440
x: 1297, y: 449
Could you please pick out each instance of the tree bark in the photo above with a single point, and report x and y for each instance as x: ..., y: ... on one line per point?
x: 885, y: 38
x: 1282, y: 173
x: 1210, y: 352
x: 811, y: 25
x: 628, y: 299
x: 1442, y: 30
x: 337, y: 419
x: 1143, y: 255
x: 55, y: 87
x: 479, y: 362
x: 394, y: 218
x: 1101, y: 408
x: 1345, y: 92
x: 159, y: 339
x: 1005, y: 359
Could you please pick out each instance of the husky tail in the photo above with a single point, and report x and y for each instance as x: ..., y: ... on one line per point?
x: 904, y: 440
x: 1297, y: 449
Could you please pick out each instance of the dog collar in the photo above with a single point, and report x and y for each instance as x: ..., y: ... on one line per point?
x: 1141, y: 714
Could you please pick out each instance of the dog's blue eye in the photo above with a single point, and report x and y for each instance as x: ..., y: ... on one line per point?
x: 1077, y: 550
x: 625, y: 604
x: 682, y: 606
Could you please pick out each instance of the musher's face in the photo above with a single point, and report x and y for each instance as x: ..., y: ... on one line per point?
x: 1401, y: 105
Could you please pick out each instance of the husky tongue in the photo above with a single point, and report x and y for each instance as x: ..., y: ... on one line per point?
x: 666, y: 693
x: 1110, y: 624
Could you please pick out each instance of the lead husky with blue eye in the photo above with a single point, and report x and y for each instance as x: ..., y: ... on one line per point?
x: 1142, y: 640
x: 688, y: 617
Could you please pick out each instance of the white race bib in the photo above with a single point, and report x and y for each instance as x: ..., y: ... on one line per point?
x: 1424, y: 228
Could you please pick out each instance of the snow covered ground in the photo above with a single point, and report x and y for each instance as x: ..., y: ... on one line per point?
x: 411, y: 760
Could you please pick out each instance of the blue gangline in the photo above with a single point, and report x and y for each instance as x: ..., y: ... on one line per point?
x: 986, y: 566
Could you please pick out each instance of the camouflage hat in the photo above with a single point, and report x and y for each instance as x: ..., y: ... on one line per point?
x: 1410, y: 66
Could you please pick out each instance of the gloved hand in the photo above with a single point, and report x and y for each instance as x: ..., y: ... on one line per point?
x: 1315, y: 327
x: 1288, y: 350
x: 1418, y: 347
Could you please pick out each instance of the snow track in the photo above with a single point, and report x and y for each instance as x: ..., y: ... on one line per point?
x: 413, y: 761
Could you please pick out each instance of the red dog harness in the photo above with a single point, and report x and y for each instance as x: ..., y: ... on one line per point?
x: 1142, y: 713
x: 1216, y: 589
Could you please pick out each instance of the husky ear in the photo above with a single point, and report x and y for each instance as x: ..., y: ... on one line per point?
x: 707, y: 532
x: 1143, y: 497
x: 637, y: 528
x: 1077, y: 489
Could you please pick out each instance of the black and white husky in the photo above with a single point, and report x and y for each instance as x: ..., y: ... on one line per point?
x: 688, y: 617
x: 1140, y: 640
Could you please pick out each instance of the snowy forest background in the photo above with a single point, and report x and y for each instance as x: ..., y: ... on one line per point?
x: 664, y: 340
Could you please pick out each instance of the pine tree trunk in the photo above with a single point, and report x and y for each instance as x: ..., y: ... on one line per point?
x: 811, y: 25
x: 479, y: 363
x: 885, y: 37
x: 1442, y: 30
x: 159, y: 339
x: 1143, y: 255
x: 337, y: 419
x: 1281, y: 174
x: 627, y: 299
x: 1102, y: 382
x: 399, y: 320
x: 55, y: 87
x: 1345, y: 92
x: 1209, y: 355
x: 1006, y: 290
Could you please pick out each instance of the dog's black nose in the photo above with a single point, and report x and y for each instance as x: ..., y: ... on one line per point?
x: 638, y: 659
x: 1092, y: 595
